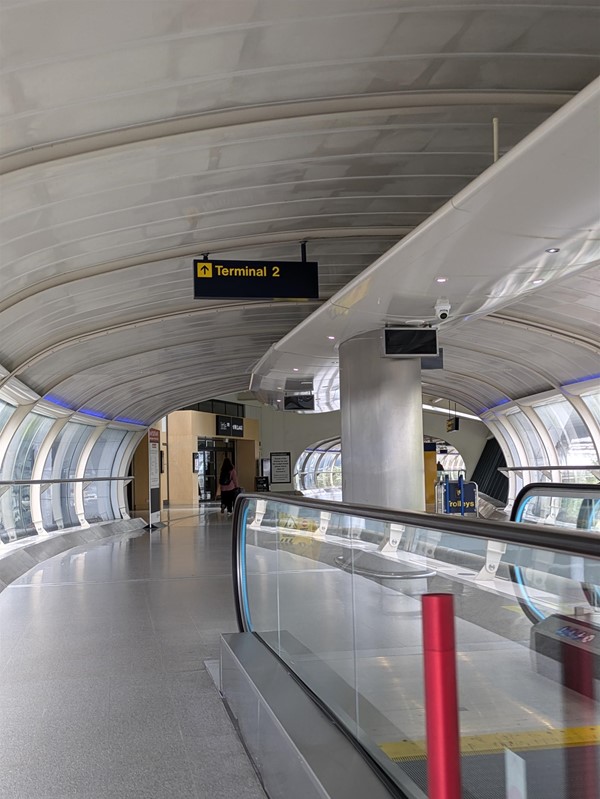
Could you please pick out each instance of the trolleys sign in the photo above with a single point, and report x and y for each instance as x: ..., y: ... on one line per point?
x: 256, y: 279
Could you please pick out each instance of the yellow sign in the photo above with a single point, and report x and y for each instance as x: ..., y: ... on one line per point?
x: 204, y: 268
x: 255, y: 279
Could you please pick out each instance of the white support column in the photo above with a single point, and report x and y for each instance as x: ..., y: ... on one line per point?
x: 38, y: 471
x: 511, y: 432
x: 500, y: 433
x: 382, y: 426
x: 543, y: 435
x: 6, y: 436
x: 57, y: 471
x: 122, y: 468
x: 588, y: 420
x: 10, y: 428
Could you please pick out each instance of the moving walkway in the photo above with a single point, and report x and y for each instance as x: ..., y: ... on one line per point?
x: 327, y: 670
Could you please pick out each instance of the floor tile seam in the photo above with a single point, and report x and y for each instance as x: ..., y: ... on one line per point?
x: 188, y: 757
x: 205, y: 767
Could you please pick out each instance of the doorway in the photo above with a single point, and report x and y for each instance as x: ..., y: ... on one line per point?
x: 208, y: 461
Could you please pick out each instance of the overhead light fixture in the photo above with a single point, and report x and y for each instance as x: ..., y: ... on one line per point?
x: 454, y: 413
x: 441, y: 280
x: 295, y: 369
x: 553, y: 249
x: 331, y: 338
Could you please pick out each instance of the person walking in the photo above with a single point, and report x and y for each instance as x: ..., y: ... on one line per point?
x: 228, y: 480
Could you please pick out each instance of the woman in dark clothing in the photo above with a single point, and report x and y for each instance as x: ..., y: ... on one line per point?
x: 228, y: 481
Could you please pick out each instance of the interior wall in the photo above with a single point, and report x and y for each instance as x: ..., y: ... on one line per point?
x: 282, y: 431
x: 267, y: 430
x: 469, y: 439
x: 183, y: 483
x: 164, y: 475
x: 246, y: 457
x: 141, y: 482
x: 430, y: 464
x: 286, y: 431
x: 184, y: 429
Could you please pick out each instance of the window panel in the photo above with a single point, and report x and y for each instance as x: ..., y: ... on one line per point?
x: 568, y: 432
x: 58, y: 500
x: 592, y: 400
x: 96, y: 495
x: 6, y: 411
x: 18, y: 463
x: 318, y: 470
x: 535, y: 451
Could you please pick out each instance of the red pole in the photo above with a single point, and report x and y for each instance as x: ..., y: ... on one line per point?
x: 441, y: 701
x: 578, y: 675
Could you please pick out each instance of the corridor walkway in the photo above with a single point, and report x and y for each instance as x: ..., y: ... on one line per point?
x: 104, y: 693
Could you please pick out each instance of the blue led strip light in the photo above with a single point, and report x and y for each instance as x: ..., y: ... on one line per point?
x: 520, y: 511
x: 525, y: 595
x: 244, y: 586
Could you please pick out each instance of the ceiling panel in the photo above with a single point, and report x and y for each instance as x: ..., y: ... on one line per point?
x: 85, y: 67
x: 136, y: 136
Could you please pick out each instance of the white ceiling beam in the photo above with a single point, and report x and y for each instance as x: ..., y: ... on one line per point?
x: 384, y: 103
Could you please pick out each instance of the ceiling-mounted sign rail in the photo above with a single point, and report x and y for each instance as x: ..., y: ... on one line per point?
x: 256, y: 279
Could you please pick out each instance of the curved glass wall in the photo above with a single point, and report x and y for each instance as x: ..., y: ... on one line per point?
x: 97, y: 494
x: 571, y: 439
x: 58, y: 500
x: 556, y: 436
x: 116, y: 489
x: 18, y: 463
x: 550, y: 434
x: 6, y: 411
x: 41, y: 471
x: 318, y: 471
x: 504, y: 435
x: 592, y: 401
x: 448, y: 457
x: 535, y: 451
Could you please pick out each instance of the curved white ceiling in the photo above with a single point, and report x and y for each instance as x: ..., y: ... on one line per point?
x: 136, y: 136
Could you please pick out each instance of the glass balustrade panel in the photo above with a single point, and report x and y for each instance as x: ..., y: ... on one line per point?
x: 339, y: 598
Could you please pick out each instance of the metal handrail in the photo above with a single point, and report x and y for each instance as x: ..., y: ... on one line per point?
x: 577, y: 542
x: 594, y: 467
x: 580, y: 490
x: 62, y: 480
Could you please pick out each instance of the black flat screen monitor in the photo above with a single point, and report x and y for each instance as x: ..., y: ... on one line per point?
x: 410, y: 342
x: 299, y: 402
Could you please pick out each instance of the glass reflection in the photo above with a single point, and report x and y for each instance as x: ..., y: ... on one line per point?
x: 18, y: 463
x: 338, y: 598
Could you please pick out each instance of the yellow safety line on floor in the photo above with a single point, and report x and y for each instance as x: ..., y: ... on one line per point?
x: 494, y: 742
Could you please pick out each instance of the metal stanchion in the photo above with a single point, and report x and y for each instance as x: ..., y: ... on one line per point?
x: 578, y: 675
x: 441, y: 700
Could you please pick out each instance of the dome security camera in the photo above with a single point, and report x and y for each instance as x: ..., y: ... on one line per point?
x: 442, y: 308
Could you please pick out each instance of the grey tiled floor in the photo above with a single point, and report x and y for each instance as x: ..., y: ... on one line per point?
x: 103, y: 689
